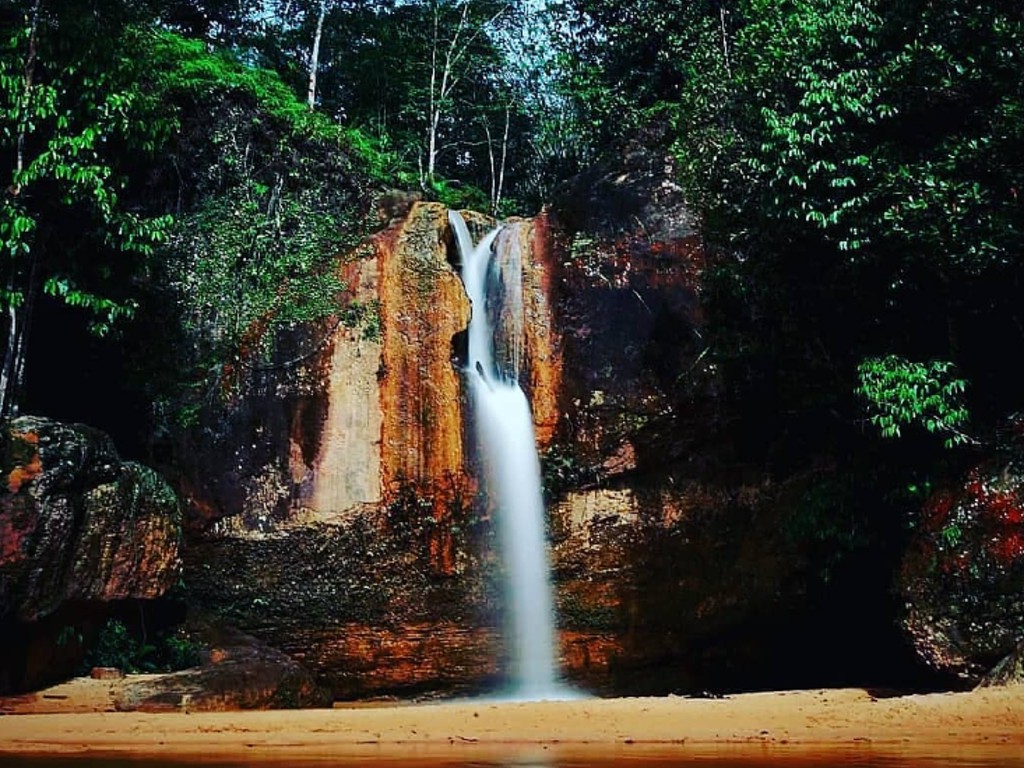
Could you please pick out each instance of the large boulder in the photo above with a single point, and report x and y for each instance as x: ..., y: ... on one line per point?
x: 79, y: 524
x: 239, y: 672
x: 962, y: 580
x: 1009, y: 671
x: 233, y: 671
x: 83, y: 535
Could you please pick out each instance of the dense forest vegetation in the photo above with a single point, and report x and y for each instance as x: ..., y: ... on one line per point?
x: 175, y: 173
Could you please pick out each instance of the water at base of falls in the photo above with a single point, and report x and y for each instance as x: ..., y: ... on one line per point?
x: 504, y: 428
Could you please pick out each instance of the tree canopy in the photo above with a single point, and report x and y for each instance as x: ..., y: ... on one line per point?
x: 856, y: 166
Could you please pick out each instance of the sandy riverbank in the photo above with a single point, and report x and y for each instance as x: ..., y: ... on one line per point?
x: 74, y: 722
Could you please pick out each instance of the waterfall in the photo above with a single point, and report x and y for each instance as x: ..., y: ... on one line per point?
x: 504, y: 427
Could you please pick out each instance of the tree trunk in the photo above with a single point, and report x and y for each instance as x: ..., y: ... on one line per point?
x: 314, y: 57
x: 433, y: 108
x: 725, y: 40
x: 440, y: 91
x: 497, y: 166
x: 24, y: 328
x: 19, y: 300
x: 8, y: 391
x: 504, y: 160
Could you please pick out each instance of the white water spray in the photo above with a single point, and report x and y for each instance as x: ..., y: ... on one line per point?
x: 504, y: 428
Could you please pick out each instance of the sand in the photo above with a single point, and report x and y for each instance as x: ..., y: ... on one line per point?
x: 70, y: 719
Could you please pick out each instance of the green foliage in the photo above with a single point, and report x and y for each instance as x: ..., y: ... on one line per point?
x: 900, y: 393
x: 74, y: 120
x: 186, y: 70
x: 179, y: 651
x: 869, y: 136
x: 184, y: 66
x: 270, y: 196
x: 365, y: 316
x: 458, y: 196
x: 253, y: 259
x: 562, y: 471
x: 115, y: 646
x: 856, y: 167
x: 60, y: 137
x: 379, y: 159
x: 69, y: 636
x: 575, y: 613
x: 872, y: 135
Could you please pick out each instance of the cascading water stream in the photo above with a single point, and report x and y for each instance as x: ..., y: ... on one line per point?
x: 504, y: 427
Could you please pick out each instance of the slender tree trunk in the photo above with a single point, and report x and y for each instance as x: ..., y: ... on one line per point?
x: 19, y: 299
x: 27, y: 313
x: 725, y: 40
x: 491, y: 160
x: 19, y: 321
x: 28, y: 78
x: 314, y: 57
x: 440, y: 91
x: 433, y: 109
x: 497, y: 166
x: 504, y: 159
x: 8, y: 407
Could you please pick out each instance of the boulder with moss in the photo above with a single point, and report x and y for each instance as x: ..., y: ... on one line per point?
x: 81, y: 533
x: 962, y: 580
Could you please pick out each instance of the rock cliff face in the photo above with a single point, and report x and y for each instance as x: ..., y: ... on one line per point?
x: 528, y: 339
x: 345, y: 526
x: 353, y: 546
x: 366, y: 554
x: 358, y: 544
x: 424, y: 306
x: 362, y: 550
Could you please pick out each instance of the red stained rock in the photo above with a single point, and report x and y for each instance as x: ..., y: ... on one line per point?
x: 962, y: 579
x: 423, y: 306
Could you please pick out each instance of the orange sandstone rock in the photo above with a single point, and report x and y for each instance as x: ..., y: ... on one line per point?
x: 423, y: 307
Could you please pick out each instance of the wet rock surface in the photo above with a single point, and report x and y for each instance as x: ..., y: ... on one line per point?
x: 361, y: 603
